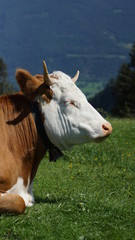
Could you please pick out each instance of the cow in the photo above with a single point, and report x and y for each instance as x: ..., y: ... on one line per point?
x: 49, y: 113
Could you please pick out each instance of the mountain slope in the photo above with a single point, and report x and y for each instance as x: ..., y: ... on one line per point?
x: 91, y: 35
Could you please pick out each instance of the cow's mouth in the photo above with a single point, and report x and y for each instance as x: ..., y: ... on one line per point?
x: 100, y: 139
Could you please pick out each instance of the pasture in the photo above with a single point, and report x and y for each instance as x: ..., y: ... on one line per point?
x: 89, y: 194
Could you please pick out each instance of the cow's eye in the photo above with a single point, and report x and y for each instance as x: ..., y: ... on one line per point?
x: 70, y: 102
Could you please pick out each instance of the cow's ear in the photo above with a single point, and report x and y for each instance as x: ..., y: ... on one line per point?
x: 28, y: 83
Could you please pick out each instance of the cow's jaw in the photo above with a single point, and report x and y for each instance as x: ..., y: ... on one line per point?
x: 69, y: 118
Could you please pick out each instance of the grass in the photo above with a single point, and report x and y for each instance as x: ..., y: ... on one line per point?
x: 87, y: 195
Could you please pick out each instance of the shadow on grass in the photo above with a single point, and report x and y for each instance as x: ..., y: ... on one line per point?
x: 47, y: 200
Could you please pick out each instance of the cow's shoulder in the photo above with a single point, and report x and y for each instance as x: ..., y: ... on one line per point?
x: 16, y: 101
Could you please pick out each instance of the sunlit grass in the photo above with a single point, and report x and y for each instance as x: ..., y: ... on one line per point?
x: 88, y: 194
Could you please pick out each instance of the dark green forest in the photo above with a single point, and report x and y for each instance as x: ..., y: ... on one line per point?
x: 5, y: 85
x: 118, y: 97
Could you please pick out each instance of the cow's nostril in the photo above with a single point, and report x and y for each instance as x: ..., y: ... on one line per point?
x: 107, y: 128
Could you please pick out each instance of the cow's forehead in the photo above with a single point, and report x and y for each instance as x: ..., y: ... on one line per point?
x: 66, y: 86
x: 59, y: 75
x: 62, y: 79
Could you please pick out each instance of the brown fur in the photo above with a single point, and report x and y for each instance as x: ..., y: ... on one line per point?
x: 33, y: 86
x: 21, y: 148
x: 11, y: 203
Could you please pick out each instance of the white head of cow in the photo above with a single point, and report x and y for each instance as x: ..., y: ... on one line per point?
x: 69, y: 119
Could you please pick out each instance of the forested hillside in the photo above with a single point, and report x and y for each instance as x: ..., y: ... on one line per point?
x: 91, y: 35
x: 118, y: 96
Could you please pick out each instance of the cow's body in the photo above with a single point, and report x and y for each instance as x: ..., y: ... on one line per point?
x: 22, y: 148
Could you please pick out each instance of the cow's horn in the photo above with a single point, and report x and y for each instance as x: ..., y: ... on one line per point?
x: 74, y: 79
x: 48, y: 81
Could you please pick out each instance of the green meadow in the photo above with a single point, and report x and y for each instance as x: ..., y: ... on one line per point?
x: 89, y: 194
x: 92, y: 88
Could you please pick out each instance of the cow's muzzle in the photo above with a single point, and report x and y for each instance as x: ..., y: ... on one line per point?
x: 107, y: 130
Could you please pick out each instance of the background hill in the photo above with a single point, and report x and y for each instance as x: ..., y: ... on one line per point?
x: 90, y: 35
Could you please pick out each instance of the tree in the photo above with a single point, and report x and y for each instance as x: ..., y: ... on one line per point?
x: 118, y: 96
x: 125, y: 88
x: 5, y: 86
x: 132, y: 56
x: 104, y: 100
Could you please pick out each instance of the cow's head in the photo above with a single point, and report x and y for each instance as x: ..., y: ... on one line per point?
x: 69, y: 119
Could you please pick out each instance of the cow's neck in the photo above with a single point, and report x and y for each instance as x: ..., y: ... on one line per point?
x: 54, y: 152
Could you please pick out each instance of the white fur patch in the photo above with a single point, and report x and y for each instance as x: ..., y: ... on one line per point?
x: 25, y: 192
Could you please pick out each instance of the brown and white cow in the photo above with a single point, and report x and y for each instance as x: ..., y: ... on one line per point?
x: 66, y: 118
